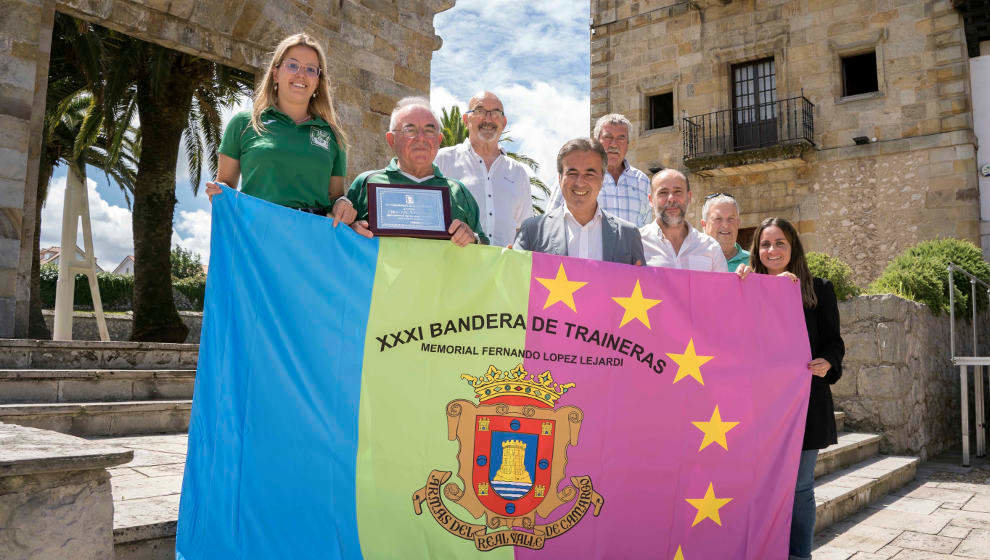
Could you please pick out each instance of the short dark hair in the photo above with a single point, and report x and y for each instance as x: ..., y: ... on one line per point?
x: 581, y: 145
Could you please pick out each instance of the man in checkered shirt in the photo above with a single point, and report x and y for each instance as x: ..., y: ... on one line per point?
x: 625, y: 190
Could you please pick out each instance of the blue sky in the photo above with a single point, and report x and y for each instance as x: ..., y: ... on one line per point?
x: 534, y: 56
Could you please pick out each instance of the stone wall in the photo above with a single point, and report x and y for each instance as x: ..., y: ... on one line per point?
x: 863, y: 203
x: 379, y: 51
x: 898, y: 380
x: 120, y: 325
x: 55, y: 499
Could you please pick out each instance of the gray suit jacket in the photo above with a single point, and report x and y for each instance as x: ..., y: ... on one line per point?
x: 621, y: 242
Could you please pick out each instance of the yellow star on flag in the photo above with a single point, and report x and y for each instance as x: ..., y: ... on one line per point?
x: 689, y: 363
x: 715, y: 430
x: 561, y: 289
x: 708, y: 506
x: 636, y: 307
x: 679, y: 555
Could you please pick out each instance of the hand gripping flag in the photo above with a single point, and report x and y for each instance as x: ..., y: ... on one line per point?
x: 404, y: 398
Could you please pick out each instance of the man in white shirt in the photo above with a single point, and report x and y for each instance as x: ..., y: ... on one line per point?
x: 499, y: 184
x: 581, y: 228
x: 669, y: 240
x: 625, y: 190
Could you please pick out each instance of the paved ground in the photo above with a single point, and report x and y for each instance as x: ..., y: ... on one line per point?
x: 943, y: 514
x: 146, y: 490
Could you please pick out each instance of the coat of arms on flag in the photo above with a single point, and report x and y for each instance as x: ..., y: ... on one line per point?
x: 513, y: 450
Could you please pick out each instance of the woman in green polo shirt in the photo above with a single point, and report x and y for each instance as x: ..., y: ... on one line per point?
x: 289, y: 147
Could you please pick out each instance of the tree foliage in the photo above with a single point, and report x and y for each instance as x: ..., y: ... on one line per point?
x: 836, y: 271
x: 920, y: 274
x: 185, y: 264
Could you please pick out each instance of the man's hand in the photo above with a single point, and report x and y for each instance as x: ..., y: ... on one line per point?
x: 743, y: 271
x: 343, y: 211
x: 461, y: 234
x: 819, y: 367
x: 361, y: 228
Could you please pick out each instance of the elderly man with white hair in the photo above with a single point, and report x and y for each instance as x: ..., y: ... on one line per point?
x: 414, y: 136
x: 670, y: 240
x: 720, y: 220
x: 625, y: 189
x: 499, y: 184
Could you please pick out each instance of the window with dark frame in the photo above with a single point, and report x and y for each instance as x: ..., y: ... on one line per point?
x: 859, y: 74
x: 661, y: 110
x: 754, y: 104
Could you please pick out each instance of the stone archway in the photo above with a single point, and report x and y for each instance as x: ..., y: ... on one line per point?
x: 379, y: 51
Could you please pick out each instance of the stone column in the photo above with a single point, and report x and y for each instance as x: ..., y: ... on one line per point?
x: 25, y: 47
x: 979, y: 74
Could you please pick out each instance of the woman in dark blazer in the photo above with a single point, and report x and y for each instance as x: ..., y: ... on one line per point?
x: 777, y: 250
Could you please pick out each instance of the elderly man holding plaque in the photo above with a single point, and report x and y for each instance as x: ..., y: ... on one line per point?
x: 581, y: 228
x: 411, y: 197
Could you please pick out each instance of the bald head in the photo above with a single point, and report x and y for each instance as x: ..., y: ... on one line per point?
x: 485, y: 118
x: 667, y: 175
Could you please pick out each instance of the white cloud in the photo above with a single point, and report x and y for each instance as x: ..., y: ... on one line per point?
x: 112, y: 239
x: 192, y: 232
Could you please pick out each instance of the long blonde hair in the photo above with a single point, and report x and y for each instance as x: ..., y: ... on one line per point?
x: 321, y: 105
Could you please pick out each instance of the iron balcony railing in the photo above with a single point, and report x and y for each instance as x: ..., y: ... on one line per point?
x: 763, y: 125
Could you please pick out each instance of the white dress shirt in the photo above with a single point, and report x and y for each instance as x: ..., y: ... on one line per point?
x: 629, y: 198
x: 698, y: 252
x: 502, y: 191
x: 584, y: 241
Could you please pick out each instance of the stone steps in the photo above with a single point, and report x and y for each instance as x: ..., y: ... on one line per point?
x: 840, y: 421
x: 86, y: 354
x: 86, y: 385
x: 849, y: 490
x: 851, y: 449
x: 102, y: 418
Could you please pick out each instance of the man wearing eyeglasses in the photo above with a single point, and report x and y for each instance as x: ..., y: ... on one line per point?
x: 720, y: 220
x: 669, y: 240
x: 414, y: 135
x: 625, y: 189
x: 499, y: 184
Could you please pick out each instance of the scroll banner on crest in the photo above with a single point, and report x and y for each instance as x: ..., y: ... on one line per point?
x: 406, y: 398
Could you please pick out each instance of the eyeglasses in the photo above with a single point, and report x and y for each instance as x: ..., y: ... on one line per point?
x: 293, y: 67
x: 713, y: 195
x: 409, y: 131
x: 481, y: 111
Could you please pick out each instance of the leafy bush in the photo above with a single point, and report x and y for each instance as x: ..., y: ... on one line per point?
x: 920, y: 274
x: 116, y: 290
x: 193, y: 288
x: 185, y: 264
x: 836, y: 271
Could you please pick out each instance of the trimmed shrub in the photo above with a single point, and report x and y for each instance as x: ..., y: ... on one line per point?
x: 836, y: 271
x: 194, y: 288
x: 920, y: 274
x: 116, y: 290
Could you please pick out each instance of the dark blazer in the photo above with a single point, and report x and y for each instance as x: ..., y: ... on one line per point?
x: 621, y: 242
x: 826, y: 342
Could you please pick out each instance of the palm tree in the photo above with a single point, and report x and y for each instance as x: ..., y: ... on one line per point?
x: 67, y: 137
x: 455, y: 132
x: 176, y: 97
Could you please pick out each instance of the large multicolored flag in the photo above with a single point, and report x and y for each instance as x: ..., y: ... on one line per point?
x: 404, y: 398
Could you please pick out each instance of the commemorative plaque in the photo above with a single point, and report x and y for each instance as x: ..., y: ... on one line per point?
x: 409, y: 210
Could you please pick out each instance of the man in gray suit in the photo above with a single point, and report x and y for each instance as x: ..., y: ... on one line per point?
x: 580, y: 228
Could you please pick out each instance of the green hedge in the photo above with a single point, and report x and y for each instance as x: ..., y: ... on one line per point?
x: 920, y: 274
x: 116, y: 290
x: 835, y: 270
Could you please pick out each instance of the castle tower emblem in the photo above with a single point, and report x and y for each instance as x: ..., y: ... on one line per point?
x: 513, y: 449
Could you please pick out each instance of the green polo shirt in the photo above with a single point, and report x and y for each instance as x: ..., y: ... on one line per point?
x: 741, y: 258
x: 463, y: 207
x: 289, y: 164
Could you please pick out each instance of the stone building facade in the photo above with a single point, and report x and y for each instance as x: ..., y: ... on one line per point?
x: 379, y: 51
x: 851, y: 118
